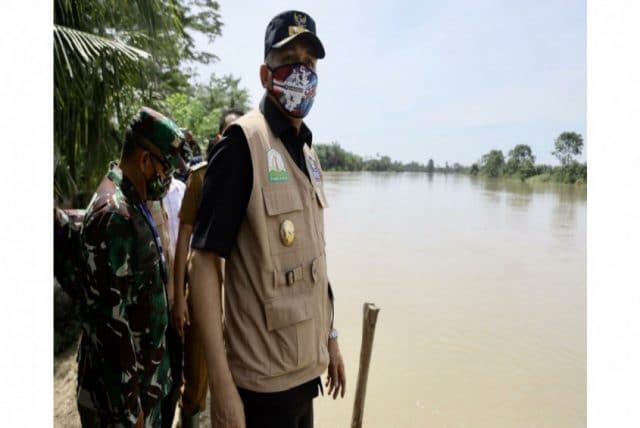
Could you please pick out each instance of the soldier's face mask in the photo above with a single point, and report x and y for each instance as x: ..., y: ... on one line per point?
x: 294, y: 86
x: 158, y: 185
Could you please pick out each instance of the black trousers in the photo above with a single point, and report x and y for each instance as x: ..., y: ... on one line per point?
x: 280, y: 416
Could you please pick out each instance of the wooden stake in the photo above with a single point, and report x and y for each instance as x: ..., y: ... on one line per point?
x: 370, y: 316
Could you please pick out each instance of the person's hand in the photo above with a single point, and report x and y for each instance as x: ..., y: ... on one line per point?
x: 336, y: 379
x: 227, y: 410
x: 140, y: 421
x: 180, y: 315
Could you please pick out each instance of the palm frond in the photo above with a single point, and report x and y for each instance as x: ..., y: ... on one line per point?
x: 86, y: 48
x: 102, y: 74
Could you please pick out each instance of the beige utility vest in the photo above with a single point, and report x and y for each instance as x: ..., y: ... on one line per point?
x: 277, y: 309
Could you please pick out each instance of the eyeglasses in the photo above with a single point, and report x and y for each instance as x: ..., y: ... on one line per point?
x: 168, y: 169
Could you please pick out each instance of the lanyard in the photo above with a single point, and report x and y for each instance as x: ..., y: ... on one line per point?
x: 149, y: 218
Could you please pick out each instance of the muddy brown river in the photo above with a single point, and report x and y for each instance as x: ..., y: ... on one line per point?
x: 482, y: 285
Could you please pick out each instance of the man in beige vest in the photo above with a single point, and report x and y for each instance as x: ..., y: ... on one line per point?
x: 262, y: 210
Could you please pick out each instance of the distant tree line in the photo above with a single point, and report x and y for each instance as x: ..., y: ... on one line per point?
x: 334, y: 158
x: 520, y: 163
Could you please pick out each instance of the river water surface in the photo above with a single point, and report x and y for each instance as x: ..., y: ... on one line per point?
x: 482, y: 289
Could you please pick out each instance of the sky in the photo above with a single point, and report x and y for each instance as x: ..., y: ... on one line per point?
x: 447, y: 80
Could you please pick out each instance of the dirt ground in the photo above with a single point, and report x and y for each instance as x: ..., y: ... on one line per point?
x: 65, y: 414
x: 65, y: 368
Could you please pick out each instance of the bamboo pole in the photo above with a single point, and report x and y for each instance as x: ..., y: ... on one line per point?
x: 370, y: 316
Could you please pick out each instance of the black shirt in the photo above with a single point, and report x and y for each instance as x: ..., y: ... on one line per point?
x: 226, y: 191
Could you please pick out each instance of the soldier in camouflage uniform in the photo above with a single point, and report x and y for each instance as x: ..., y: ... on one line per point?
x: 67, y: 257
x: 123, y: 368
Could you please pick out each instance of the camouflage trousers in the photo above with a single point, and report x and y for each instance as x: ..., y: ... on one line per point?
x: 170, y: 401
x: 89, y: 418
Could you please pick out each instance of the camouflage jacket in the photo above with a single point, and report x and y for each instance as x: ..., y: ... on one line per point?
x: 122, y: 363
x: 67, y: 256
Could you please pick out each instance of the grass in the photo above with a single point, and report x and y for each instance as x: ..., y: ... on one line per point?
x: 540, y: 178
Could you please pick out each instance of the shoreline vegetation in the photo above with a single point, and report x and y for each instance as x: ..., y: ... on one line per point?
x: 111, y: 58
x: 519, y: 163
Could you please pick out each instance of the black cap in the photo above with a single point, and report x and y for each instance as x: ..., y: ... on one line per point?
x: 290, y: 25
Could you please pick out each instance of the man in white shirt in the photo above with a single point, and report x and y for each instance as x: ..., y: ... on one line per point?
x: 172, y: 202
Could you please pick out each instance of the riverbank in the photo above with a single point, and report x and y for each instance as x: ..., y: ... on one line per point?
x: 535, y: 179
x: 520, y: 163
x: 548, y: 178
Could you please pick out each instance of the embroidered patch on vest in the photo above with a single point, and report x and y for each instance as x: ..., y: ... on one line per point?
x: 275, y: 167
x: 313, y: 168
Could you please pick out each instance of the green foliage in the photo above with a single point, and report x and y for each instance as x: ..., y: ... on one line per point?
x: 521, y: 162
x: 384, y: 163
x: 526, y: 169
x: 200, y: 112
x: 520, y: 165
x: 457, y: 168
x: 413, y: 167
x: 568, y: 145
x: 571, y: 173
x: 492, y: 164
x: 335, y: 158
x: 79, y: 49
x: 540, y: 178
x: 430, y: 166
x: 544, y: 169
x: 103, y: 74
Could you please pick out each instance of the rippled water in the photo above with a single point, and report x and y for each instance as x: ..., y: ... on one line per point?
x: 482, y: 285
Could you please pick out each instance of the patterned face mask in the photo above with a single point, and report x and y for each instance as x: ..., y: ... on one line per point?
x: 294, y: 86
x: 157, y: 187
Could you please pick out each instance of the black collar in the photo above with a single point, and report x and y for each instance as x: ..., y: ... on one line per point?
x: 280, y: 124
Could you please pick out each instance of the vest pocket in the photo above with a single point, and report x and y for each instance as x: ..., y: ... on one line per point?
x: 284, y: 205
x: 291, y: 327
x: 281, y: 201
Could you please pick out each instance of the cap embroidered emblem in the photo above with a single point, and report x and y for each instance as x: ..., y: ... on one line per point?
x: 300, y: 19
x: 301, y: 24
